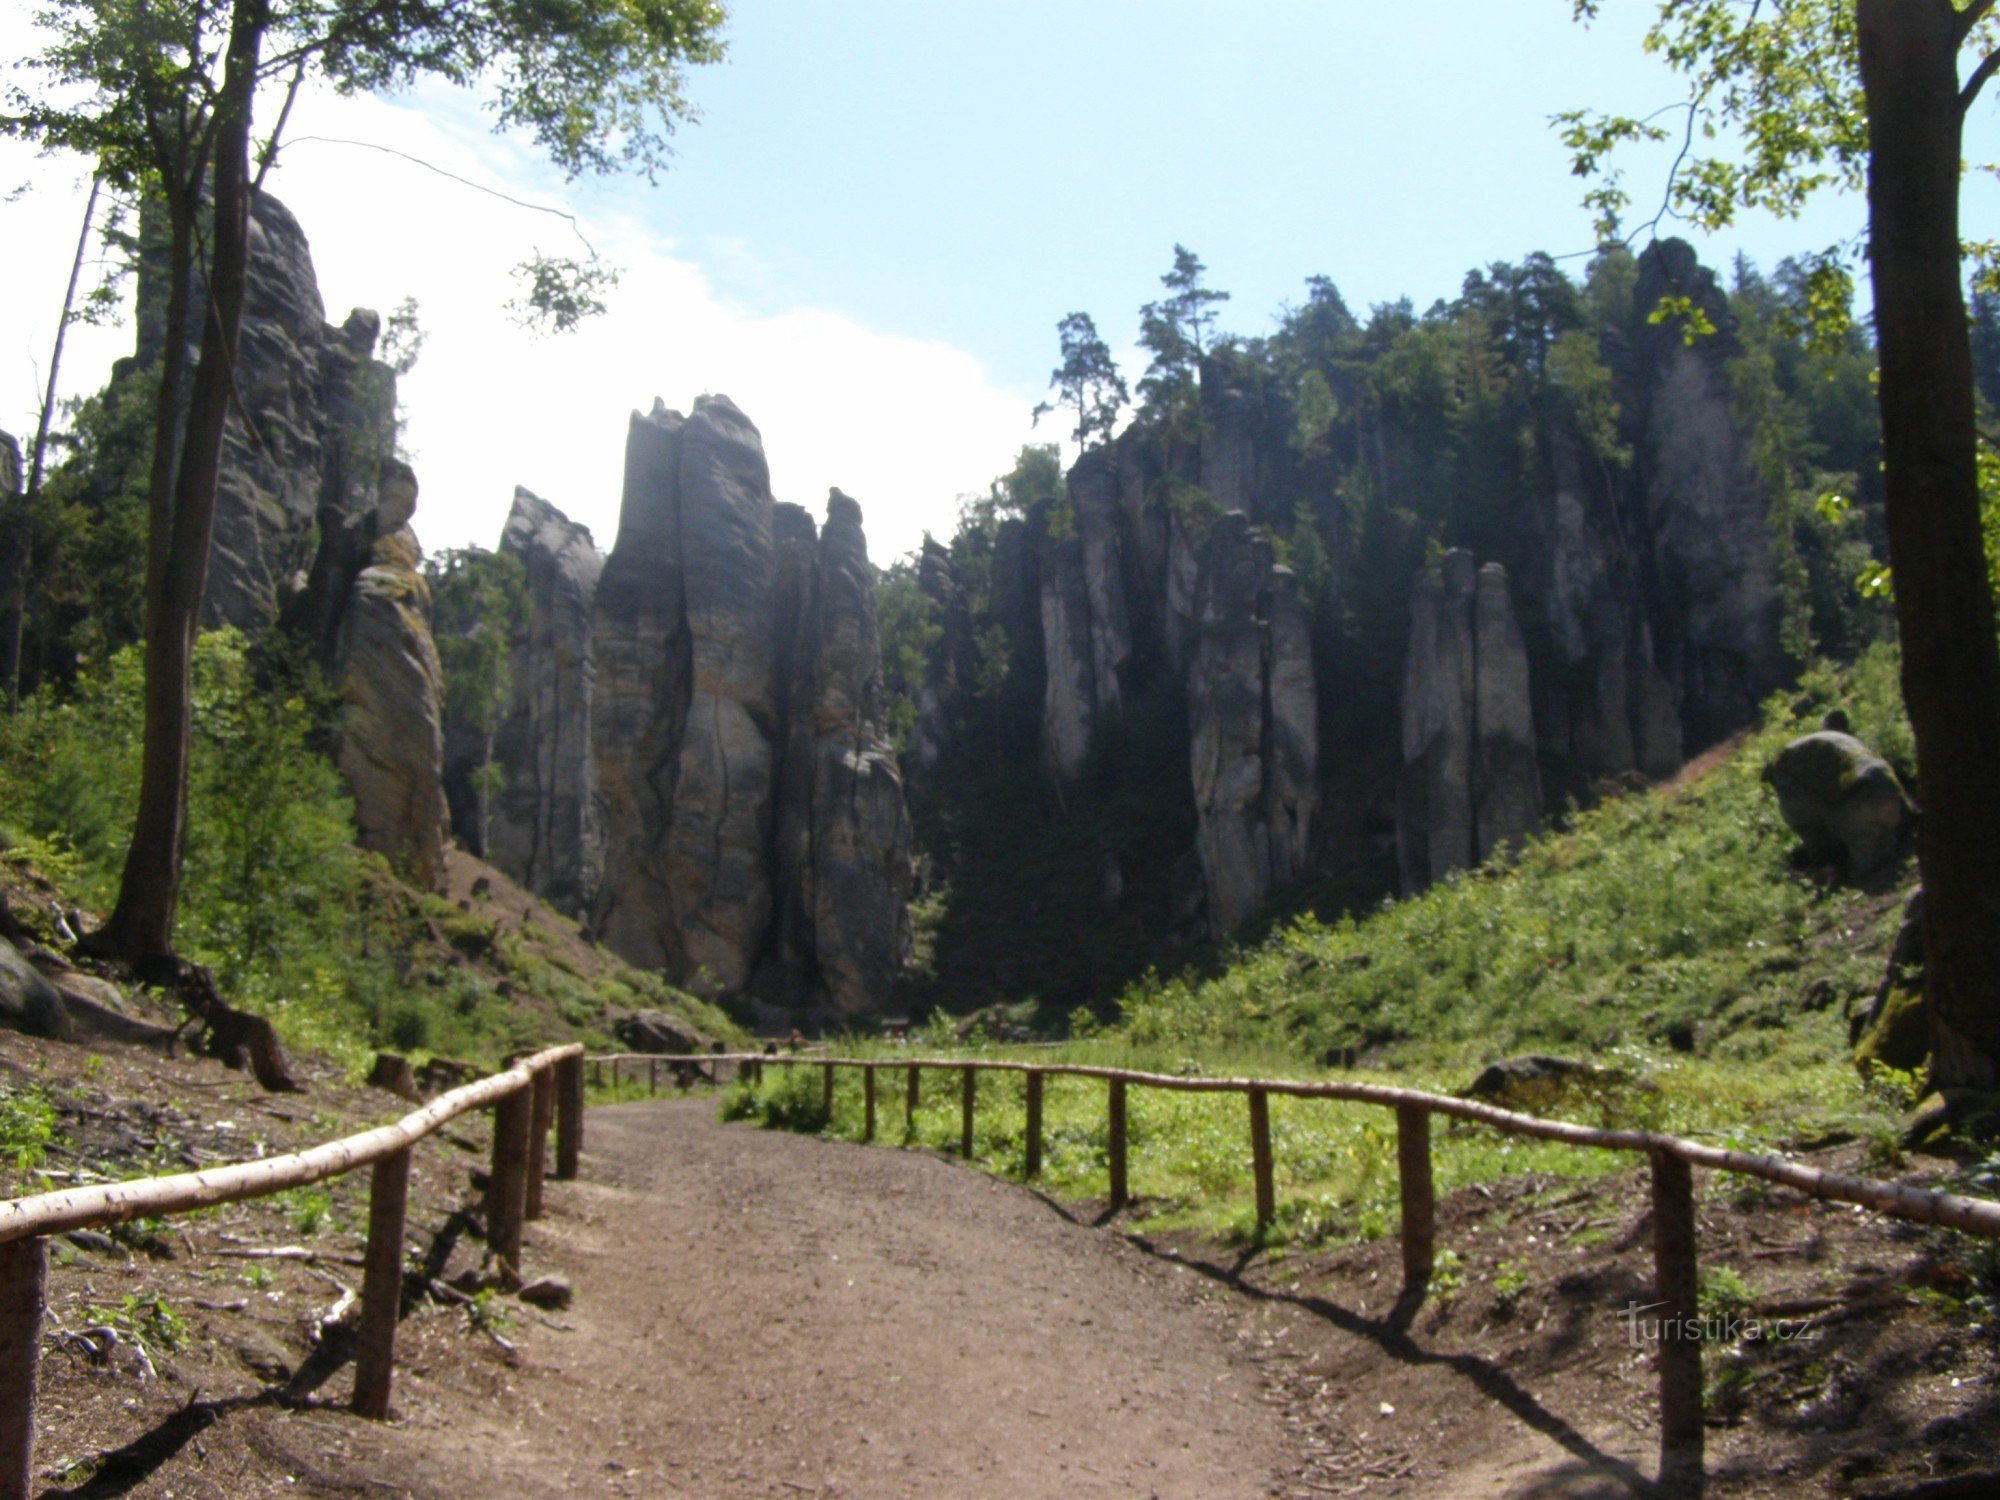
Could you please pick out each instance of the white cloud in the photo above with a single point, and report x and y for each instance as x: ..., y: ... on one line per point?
x: 903, y: 425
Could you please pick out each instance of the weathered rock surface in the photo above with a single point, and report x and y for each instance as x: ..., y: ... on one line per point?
x: 321, y: 425
x: 543, y: 826
x: 1842, y: 800
x: 1086, y: 630
x: 1470, y: 782
x: 312, y: 526
x: 756, y: 837
x: 389, y: 732
x: 28, y: 1002
x: 1252, y: 710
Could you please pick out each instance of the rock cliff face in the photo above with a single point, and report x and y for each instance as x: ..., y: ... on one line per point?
x: 543, y: 827
x: 312, y: 528
x: 756, y: 836
x: 1086, y: 629
x: 321, y: 427
x: 1626, y: 616
x: 1252, y: 708
x: 1470, y: 783
x: 389, y: 733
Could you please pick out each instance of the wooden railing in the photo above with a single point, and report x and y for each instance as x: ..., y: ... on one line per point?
x: 526, y: 1099
x: 1672, y: 1158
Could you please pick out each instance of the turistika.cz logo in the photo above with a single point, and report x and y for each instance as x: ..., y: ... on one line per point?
x: 1718, y: 1328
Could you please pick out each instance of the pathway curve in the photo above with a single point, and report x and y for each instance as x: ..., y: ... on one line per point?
x: 761, y: 1313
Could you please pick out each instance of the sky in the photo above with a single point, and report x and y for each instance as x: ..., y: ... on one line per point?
x: 870, y: 235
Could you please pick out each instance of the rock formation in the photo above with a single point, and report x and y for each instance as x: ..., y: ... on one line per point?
x: 755, y: 833
x: 1470, y: 783
x: 389, y: 732
x: 321, y: 422
x: 1086, y: 630
x: 1705, y: 506
x: 1253, y: 713
x: 543, y: 825
x: 1841, y: 799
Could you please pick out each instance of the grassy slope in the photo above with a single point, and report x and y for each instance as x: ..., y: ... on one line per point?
x: 1664, y: 933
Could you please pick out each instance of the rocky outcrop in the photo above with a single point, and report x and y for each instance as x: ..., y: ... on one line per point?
x: 1252, y: 710
x: 1705, y: 505
x: 756, y: 838
x: 1470, y: 784
x: 945, y: 671
x: 543, y: 826
x: 389, y: 732
x: 306, y: 444
x: 312, y: 526
x: 1086, y: 629
x: 850, y: 886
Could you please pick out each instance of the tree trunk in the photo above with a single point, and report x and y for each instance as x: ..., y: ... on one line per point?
x: 1944, y: 602
x: 142, y: 923
x: 20, y: 560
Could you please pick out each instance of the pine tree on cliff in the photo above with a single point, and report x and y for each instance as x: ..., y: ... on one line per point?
x: 139, y: 88
x: 1870, y: 94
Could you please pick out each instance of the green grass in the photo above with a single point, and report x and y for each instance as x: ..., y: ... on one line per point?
x: 1662, y: 933
x: 1653, y: 923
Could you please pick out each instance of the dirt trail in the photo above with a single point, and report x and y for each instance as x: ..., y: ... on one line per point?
x: 763, y: 1314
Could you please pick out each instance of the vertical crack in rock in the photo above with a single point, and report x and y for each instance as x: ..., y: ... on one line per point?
x: 756, y: 837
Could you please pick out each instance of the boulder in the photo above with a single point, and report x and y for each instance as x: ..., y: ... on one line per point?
x: 29, y: 1003
x: 657, y: 1031
x: 1842, y: 800
x: 1535, y: 1076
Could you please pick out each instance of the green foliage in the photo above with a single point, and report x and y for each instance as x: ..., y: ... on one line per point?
x: 558, y: 293
x: 1651, y: 923
x: 27, y: 1125
x: 1087, y: 381
x: 912, y: 634
x: 269, y: 870
x: 145, y: 1319
x: 1177, y: 331
x: 480, y: 604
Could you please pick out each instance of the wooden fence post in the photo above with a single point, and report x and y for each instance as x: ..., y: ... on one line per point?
x: 1260, y: 1157
x: 1676, y: 1297
x: 597, y: 1075
x: 968, y: 1087
x: 381, y: 1285
x: 1115, y: 1145
x: 569, y: 1117
x: 826, y: 1091
x: 912, y: 1088
x: 653, y: 1075
x: 541, y: 1113
x: 507, y: 1188
x: 1031, y: 1167
x: 868, y: 1101
x: 23, y: 1278
x: 1413, y: 1169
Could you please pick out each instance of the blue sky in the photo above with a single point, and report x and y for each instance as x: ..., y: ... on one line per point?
x: 871, y: 234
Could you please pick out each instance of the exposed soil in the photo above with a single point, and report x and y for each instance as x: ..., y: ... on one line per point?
x: 763, y: 1314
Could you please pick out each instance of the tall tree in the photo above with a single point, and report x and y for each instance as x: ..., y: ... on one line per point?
x: 140, y: 88
x: 1823, y: 92
x: 479, y: 601
x: 1178, y: 330
x: 1087, y: 381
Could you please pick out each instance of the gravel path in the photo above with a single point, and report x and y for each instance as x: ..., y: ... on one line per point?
x: 761, y: 1314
